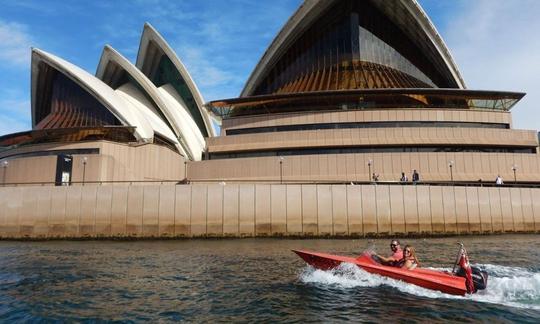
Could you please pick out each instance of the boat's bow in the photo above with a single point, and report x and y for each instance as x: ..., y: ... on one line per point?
x: 322, y: 261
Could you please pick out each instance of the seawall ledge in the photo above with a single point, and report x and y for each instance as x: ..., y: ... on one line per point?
x: 216, y: 211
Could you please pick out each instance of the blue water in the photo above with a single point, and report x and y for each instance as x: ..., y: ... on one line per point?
x: 255, y: 280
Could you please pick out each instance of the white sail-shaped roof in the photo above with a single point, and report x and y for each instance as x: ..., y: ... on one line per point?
x: 152, y: 47
x: 192, y: 134
x: 108, y: 72
x: 125, y: 113
x: 132, y: 95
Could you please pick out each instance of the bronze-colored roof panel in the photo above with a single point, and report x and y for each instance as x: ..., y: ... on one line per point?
x: 348, y: 44
x: 366, y: 99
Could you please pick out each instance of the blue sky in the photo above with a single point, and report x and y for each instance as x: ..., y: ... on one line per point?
x: 494, y: 42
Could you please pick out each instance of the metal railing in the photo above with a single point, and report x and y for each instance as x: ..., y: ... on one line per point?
x: 277, y: 181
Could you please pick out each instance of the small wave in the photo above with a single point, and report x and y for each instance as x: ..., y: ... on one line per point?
x: 511, y: 286
x: 508, y: 286
x: 346, y: 275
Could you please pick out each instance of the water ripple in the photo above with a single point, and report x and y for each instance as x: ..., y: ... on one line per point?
x: 253, y: 281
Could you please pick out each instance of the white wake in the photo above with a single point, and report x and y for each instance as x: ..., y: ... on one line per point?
x: 509, y: 286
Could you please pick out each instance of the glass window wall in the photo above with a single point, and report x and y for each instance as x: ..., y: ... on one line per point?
x: 388, y: 149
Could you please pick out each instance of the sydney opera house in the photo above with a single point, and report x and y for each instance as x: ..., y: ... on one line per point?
x: 347, y: 91
x: 342, y: 84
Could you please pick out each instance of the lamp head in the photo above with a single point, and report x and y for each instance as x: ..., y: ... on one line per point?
x: 5, y: 164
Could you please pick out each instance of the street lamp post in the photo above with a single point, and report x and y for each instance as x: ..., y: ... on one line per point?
x: 369, y: 163
x: 451, y: 165
x: 4, y: 166
x: 185, y: 171
x: 514, y: 168
x: 281, y: 169
x: 84, y: 161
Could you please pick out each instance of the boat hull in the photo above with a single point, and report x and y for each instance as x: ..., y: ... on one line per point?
x: 430, y: 279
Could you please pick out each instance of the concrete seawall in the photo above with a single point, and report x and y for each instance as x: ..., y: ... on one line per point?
x: 244, y: 210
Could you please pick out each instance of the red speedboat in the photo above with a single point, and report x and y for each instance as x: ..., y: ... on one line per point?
x: 463, y: 282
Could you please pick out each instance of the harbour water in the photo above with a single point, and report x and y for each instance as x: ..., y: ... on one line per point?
x: 252, y: 280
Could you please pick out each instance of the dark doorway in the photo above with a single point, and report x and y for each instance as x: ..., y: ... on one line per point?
x: 64, y: 165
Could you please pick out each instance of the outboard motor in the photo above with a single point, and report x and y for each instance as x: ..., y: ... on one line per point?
x: 475, y: 279
x: 479, y: 277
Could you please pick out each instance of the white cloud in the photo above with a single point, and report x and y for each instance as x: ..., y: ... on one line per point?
x: 15, y: 44
x: 496, y: 46
x: 208, y: 77
x: 14, y: 111
x: 10, y: 125
x: 13, y: 123
x: 21, y: 107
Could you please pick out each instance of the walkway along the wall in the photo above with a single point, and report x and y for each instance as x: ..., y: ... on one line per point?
x: 243, y: 210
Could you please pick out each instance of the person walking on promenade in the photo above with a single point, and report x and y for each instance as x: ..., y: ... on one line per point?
x: 415, y: 176
x: 403, y: 177
x: 499, y: 181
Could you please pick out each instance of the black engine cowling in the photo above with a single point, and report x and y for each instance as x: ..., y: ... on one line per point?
x: 479, y: 277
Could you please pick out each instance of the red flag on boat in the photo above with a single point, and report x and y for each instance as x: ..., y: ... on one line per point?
x: 464, y: 264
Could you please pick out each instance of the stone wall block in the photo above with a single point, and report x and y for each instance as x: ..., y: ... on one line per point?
x: 397, y: 208
x: 449, y: 207
x: 28, y: 211
x: 199, y: 207
x: 231, y: 210
x: 354, y: 210
x: 506, y: 209
x: 416, y: 203
x: 247, y: 210
x: 527, y: 208
x: 339, y: 210
x: 215, y: 210
x: 73, y: 211
x: 167, y: 197
x: 495, y: 208
x: 262, y: 210
x: 462, y: 213
x: 424, y: 209
x: 369, y: 210
x: 324, y: 210
x: 278, y: 197
x: 119, y: 206
x: 182, y: 211
x: 103, y: 211
x: 88, y: 211
x: 437, y: 210
x: 517, y: 210
x: 12, y: 210
x: 294, y: 222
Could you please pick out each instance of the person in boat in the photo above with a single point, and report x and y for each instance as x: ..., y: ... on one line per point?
x: 409, y: 260
x: 397, y: 254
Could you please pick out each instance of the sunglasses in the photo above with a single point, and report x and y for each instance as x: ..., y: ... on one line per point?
x: 393, y: 245
x: 407, y: 251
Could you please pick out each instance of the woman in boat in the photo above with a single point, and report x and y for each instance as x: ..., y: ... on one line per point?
x: 409, y: 260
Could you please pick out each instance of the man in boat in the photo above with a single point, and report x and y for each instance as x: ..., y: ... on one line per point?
x: 392, y: 260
